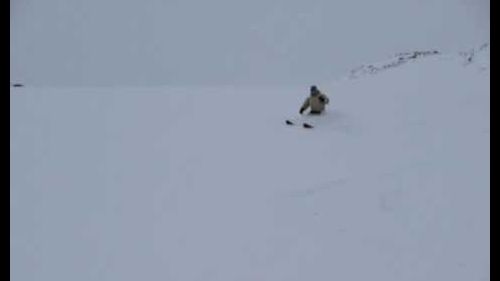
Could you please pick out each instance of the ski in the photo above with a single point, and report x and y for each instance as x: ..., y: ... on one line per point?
x: 307, y: 125
x: 304, y: 124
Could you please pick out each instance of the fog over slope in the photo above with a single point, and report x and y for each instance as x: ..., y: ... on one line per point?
x: 226, y: 42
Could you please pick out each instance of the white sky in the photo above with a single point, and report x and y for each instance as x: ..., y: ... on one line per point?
x: 220, y: 42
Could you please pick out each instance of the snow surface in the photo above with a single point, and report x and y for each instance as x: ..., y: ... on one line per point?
x: 210, y: 184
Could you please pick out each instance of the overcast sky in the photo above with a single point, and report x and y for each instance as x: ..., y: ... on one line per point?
x: 221, y: 42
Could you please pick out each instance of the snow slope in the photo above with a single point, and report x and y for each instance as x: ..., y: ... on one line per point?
x: 209, y: 184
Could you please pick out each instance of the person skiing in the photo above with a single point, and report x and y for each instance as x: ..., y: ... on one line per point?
x: 316, y: 101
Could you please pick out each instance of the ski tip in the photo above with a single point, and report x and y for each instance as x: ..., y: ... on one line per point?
x: 288, y: 122
x: 307, y: 126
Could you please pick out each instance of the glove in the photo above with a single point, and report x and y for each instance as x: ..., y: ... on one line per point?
x: 322, y: 99
x: 301, y: 110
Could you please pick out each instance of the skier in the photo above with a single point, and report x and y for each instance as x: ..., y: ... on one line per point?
x: 316, y: 101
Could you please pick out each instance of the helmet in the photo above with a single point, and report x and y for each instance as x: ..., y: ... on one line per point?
x: 314, y: 90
